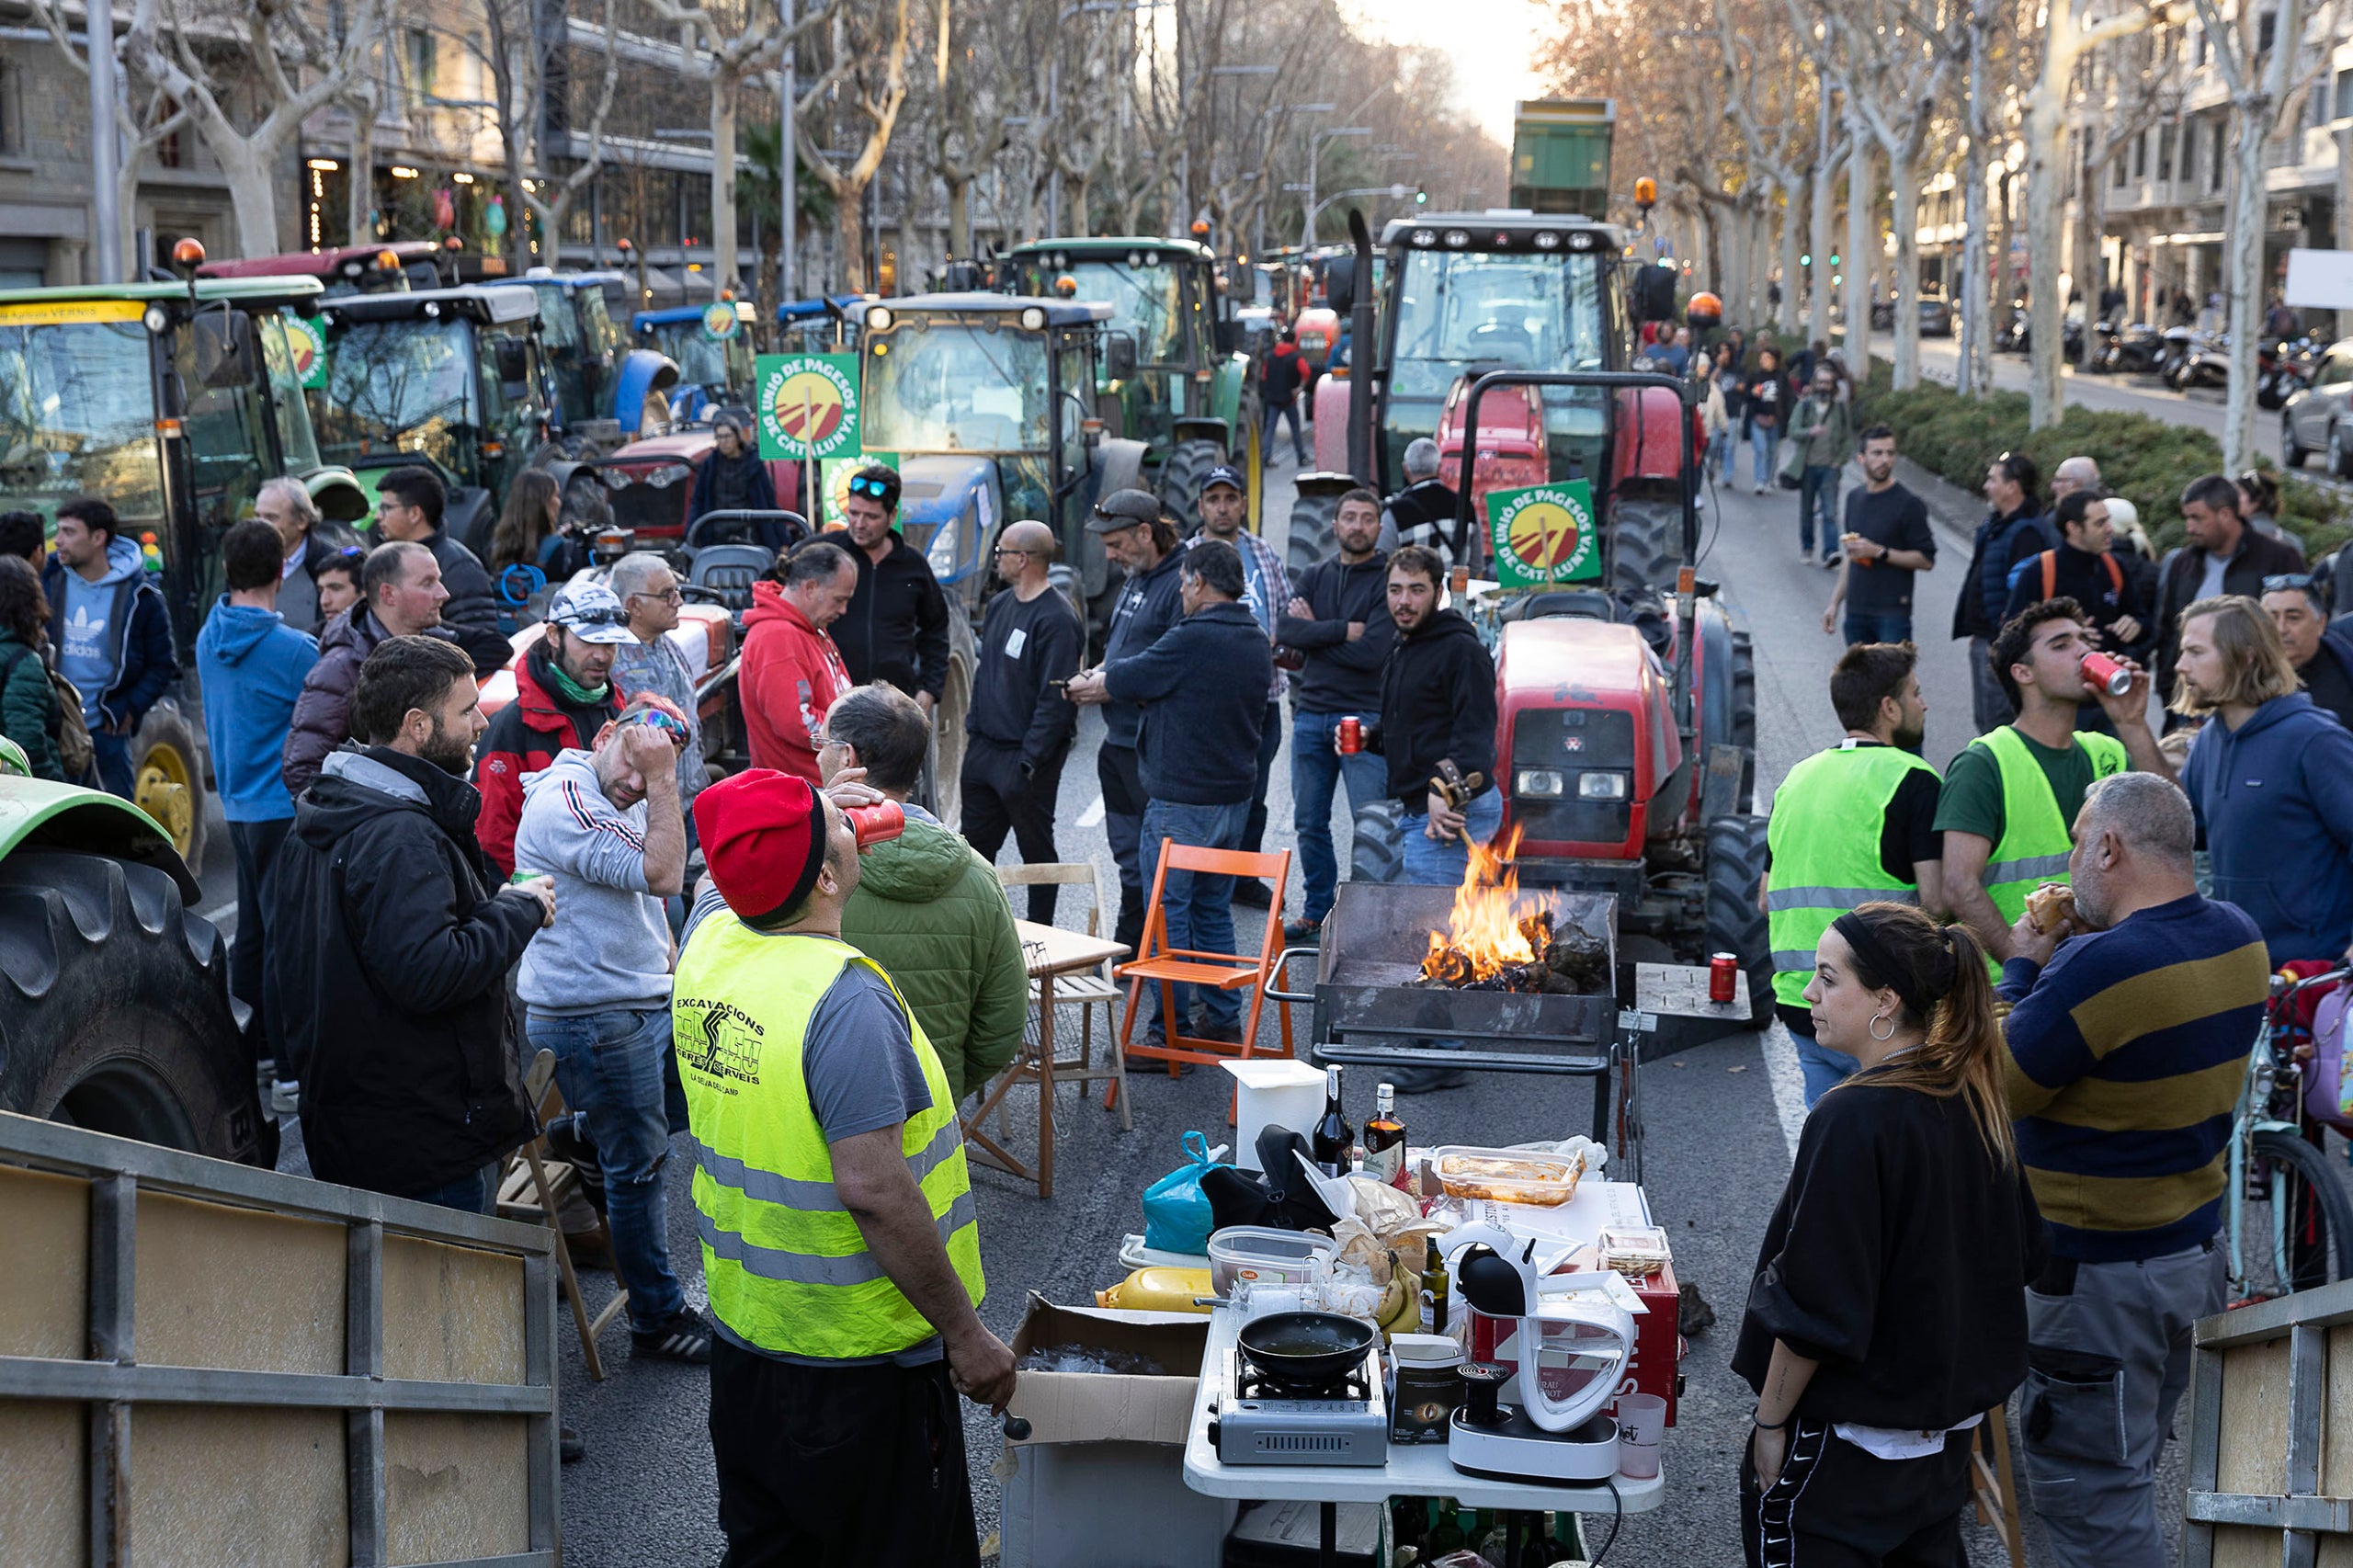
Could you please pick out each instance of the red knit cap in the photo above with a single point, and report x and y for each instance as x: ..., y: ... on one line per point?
x: 763, y: 836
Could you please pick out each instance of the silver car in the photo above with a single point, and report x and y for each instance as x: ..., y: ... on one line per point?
x: 2317, y: 418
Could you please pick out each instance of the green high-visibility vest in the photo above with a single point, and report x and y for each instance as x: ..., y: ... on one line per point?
x: 784, y: 1263
x: 2035, y: 838
x: 1825, y: 834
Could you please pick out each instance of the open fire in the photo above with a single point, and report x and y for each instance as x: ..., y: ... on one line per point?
x: 1497, y: 939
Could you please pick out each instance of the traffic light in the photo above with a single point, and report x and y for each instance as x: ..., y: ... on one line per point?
x: 1834, y: 261
x: 1421, y: 199
x: 1806, y: 260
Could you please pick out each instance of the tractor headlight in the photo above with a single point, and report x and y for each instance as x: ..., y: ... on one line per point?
x: 941, y: 556
x: 1539, y: 783
x: 1601, y: 786
x: 668, y: 474
x: 157, y: 319
x: 878, y: 319
x: 1033, y: 319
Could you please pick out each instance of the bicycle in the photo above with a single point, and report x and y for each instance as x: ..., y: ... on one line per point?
x: 2288, y: 1215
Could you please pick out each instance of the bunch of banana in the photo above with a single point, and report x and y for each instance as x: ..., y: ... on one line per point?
x: 1401, y: 1303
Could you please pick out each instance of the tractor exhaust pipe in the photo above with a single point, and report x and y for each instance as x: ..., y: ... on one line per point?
x: 1362, y: 354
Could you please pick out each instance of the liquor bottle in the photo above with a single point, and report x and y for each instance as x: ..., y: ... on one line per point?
x: 1332, y: 1140
x: 1384, y: 1140
x: 1434, y: 1293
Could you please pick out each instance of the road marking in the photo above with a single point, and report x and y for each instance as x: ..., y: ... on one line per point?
x: 1093, y: 815
x: 1789, y: 1082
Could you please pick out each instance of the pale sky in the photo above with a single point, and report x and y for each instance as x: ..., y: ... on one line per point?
x: 1489, y: 40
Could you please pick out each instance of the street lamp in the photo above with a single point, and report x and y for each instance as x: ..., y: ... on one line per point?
x: 1314, y: 147
x: 1053, y: 92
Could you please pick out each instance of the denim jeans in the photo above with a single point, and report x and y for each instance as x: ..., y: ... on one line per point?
x: 1270, y: 741
x: 1200, y: 908
x: 1861, y: 626
x: 617, y: 1071
x: 475, y: 1193
x: 1316, y: 772
x: 1823, y: 1068
x: 1765, y: 441
x: 1443, y: 863
x: 113, y: 754
x: 1287, y: 411
x: 1719, y: 456
x: 1819, y: 491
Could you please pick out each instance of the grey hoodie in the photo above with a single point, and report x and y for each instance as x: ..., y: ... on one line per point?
x: 609, y: 947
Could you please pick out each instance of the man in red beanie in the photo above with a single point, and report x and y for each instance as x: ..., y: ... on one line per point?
x: 791, y: 671
x: 839, y: 1245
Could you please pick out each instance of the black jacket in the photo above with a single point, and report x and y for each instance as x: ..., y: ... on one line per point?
x: 1203, y: 687
x: 2259, y: 556
x: 742, y: 484
x: 2107, y: 595
x: 471, y: 612
x: 1147, y: 607
x: 1438, y: 702
x: 1340, y: 676
x: 1279, y: 375
x: 896, y: 626
x: 1012, y: 703
x: 386, y: 977
x: 1999, y: 544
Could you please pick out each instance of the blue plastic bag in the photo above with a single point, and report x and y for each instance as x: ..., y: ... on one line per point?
x: 1175, y: 1214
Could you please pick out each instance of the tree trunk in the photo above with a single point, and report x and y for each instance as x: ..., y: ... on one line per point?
x: 722, y: 182
x: 2244, y: 251
x: 2344, y: 138
x: 1793, y: 197
x: 1904, y: 179
x: 1862, y: 253
x: 253, y: 195
x: 959, y: 217
x: 360, y: 182
x: 1975, y: 283
x: 849, y: 234
x: 2090, y: 268
x: 1818, y: 277
x: 2046, y: 148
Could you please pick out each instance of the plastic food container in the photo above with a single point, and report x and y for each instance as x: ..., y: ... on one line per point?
x: 1505, y: 1175
x: 1266, y: 1257
x: 1635, y: 1251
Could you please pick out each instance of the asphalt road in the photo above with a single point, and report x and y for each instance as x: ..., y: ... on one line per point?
x: 1722, y: 1121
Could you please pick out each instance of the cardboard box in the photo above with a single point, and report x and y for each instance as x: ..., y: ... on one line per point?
x: 1106, y: 1407
x: 1105, y: 1458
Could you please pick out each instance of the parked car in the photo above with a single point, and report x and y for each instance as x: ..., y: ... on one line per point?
x: 2315, y: 418
x: 1935, y: 318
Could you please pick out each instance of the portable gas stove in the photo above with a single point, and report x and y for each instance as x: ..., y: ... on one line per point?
x: 1343, y: 1421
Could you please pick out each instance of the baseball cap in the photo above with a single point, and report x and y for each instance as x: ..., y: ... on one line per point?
x: 1225, y: 473
x: 591, y: 612
x: 1125, y: 509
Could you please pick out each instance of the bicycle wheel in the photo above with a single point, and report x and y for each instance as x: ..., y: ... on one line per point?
x: 2298, y: 1224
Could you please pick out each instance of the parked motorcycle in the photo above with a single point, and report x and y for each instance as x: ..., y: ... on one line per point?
x: 2138, y: 350
x: 2105, y: 350
x: 2282, y: 369
x: 2206, y: 363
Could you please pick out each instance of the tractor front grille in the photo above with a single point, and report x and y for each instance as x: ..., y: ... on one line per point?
x: 1552, y: 751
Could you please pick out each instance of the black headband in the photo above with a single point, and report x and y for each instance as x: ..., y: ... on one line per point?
x: 1873, y: 960
x: 820, y: 843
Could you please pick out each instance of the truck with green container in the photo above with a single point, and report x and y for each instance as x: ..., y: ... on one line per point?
x: 1560, y: 155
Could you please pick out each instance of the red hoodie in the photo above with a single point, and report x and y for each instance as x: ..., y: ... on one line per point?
x: 789, y: 675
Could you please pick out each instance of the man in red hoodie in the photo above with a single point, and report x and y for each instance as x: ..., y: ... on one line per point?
x: 563, y: 696
x: 790, y: 672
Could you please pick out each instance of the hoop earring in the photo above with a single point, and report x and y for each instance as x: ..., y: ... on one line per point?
x: 1887, y: 1018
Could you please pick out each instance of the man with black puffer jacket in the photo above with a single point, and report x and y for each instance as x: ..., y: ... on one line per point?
x: 896, y: 626
x: 1338, y: 623
x: 1438, y: 704
x: 409, y: 505
x: 392, y: 943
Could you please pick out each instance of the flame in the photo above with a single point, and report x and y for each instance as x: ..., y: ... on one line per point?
x: 1491, y: 927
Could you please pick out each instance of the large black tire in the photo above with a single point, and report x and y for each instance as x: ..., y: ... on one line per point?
x: 1645, y: 544
x: 2319, y: 1219
x: 1311, y: 533
x: 1743, y: 715
x: 1180, y: 481
x: 1735, y: 925
x: 1377, y: 850
x: 168, y: 780
x: 114, y: 1007
x: 944, y: 766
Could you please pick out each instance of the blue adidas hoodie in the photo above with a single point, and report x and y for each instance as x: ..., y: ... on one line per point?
x: 251, y: 664
x: 2275, y: 806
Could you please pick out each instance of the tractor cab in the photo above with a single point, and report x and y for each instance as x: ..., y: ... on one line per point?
x: 1176, y: 378
x: 989, y: 402
x: 815, y: 326
x: 173, y: 401
x: 393, y: 268
x: 713, y: 347
x: 453, y: 376
x: 606, y: 391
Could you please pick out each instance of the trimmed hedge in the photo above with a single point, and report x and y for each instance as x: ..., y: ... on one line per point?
x: 2146, y: 460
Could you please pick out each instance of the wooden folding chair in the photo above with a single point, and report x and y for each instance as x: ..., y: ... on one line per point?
x: 531, y: 1189
x: 1089, y: 989
x: 1169, y: 967
x: 1993, y: 1484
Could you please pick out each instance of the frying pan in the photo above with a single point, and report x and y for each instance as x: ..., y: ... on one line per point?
x: 1305, y: 1348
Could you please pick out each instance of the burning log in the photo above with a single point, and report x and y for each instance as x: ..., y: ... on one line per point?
x: 1493, y: 942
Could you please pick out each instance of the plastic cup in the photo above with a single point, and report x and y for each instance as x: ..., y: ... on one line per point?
x: 1642, y: 1424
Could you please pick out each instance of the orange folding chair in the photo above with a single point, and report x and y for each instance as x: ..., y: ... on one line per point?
x: 1168, y: 967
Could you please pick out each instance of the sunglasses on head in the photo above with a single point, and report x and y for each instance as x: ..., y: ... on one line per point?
x: 654, y: 719
x: 876, y: 489
x: 593, y: 618
x: 2287, y: 581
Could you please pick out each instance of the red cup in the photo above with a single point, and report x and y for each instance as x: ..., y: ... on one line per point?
x: 2102, y: 673
x: 876, y: 823
x: 1351, y: 735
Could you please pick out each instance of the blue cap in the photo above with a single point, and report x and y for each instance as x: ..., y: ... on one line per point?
x: 1224, y: 473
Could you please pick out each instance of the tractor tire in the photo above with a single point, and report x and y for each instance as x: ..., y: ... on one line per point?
x: 943, y: 768
x: 114, y: 1007
x: 1180, y: 481
x: 1310, y: 538
x: 1743, y: 715
x: 167, y: 781
x: 1645, y: 545
x: 1377, y: 846
x: 1735, y: 925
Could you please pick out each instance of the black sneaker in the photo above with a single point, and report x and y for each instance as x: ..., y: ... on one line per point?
x: 1224, y: 1034
x: 1302, y: 933
x: 686, y: 1337
x: 1253, y: 893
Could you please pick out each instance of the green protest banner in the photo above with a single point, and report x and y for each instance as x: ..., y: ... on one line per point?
x: 807, y: 404
x: 1544, y: 534
x: 310, y: 350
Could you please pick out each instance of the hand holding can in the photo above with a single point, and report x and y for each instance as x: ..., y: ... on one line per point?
x: 2102, y: 673
x: 1351, y: 735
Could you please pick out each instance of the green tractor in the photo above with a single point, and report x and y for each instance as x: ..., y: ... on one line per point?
x: 174, y: 403
x: 1190, y: 398
x: 115, y: 1012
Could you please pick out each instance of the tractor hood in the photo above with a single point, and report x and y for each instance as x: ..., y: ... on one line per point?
x: 948, y: 509
x: 37, y: 812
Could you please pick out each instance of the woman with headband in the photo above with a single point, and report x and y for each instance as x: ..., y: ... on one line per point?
x: 1887, y: 1315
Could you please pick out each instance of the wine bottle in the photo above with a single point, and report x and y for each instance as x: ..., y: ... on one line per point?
x: 1384, y: 1140
x: 1332, y: 1140
x: 1434, y: 1291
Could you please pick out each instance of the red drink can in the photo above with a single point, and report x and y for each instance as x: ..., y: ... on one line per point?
x: 2102, y: 673
x: 1723, y: 971
x: 1351, y: 735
